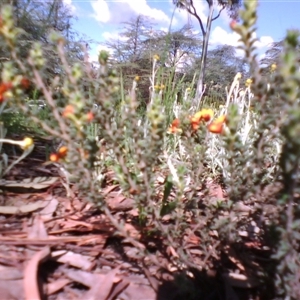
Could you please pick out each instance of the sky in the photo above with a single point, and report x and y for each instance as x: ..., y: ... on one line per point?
x: 100, y: 20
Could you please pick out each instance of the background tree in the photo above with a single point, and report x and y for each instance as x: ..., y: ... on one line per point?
x: 131, y: 52
x: 232, y: 9
x: 178, y: 50
x: 37, y: 19
x: 136, y: 45
x: 272, y: 55
x: 222, y: 65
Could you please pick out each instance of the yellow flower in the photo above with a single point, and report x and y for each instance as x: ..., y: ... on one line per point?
x: 137, y: 78
x: 156, y: 57
x: 273, y: 67
x: 26, y: 143
x: 248, y: 82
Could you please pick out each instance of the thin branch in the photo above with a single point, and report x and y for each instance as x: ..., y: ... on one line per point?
x: 216, y: 17
x: 194, y: 13
x: 48, y: 96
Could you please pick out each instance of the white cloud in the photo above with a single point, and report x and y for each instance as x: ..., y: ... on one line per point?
x: 164, y: 29
x: 101, y: 9
x: 123, y: 10
x: 108, y: 35
x: 219, y: 36
x: 141, y: 7
x: 264, y: 41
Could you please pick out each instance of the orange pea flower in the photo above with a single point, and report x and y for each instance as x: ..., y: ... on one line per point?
x: 54, y: 157
x: 60, y: 154
x: 195, y: 121
x: 90, y: 116
x: 221, y: 119
x: 207, y: 114
x: 204, y: 114
x: 197, y: 117
x: 174, y: 127
x: 62, y: 151
x: 68, y: 111
x: 4, y: 87
x: 217, y: 126
x: 25, y: 83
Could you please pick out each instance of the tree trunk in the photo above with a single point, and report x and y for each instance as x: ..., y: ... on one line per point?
x: 200, y: 84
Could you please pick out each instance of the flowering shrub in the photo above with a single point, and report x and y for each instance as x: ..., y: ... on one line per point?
x: 204, y: 115
x: 237, y: 146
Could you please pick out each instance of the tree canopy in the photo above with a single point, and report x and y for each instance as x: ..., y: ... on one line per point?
x: 37, y: 19
x: 139, y: 41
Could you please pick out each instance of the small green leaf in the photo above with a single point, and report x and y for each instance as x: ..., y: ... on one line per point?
x: 168, y: 188
x: 167, y: 207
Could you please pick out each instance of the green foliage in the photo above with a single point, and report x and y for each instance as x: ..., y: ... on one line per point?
x: 132, y: 57
x: 288, y: 250
x: 222, y: 65
x: 35, y: 20
x: 18, y: 122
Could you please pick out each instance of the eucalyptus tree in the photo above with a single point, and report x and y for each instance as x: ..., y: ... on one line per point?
x: 213, y: 6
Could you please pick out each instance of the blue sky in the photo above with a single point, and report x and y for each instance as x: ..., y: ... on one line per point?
x: 102, y: 19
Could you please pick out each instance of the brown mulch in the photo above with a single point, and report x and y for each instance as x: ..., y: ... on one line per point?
x: 54, y: 247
